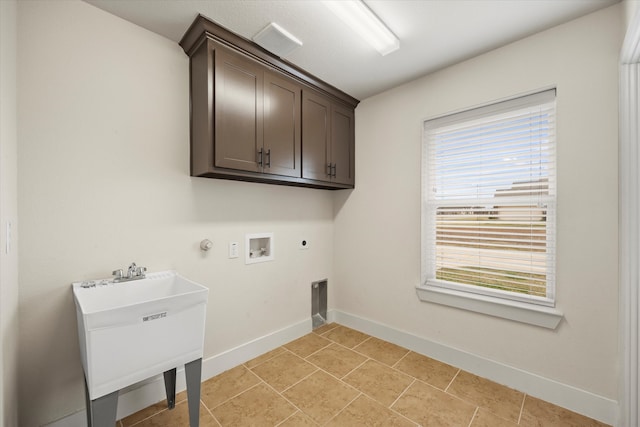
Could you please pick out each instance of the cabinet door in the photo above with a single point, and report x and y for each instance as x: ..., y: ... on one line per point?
x: 282, y: 126
x: 238, y: 111
x: 315, y: 136
x: 342, y: 145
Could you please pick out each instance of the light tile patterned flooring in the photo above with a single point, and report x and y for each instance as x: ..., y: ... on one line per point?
x: 336, y: 376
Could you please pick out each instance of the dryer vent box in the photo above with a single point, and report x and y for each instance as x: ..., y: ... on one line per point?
x: 319, y: 303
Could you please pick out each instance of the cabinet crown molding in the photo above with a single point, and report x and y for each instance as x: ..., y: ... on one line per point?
x: 203, y: 28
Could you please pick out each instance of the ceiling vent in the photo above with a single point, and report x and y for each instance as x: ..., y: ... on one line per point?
x: 277, y: 40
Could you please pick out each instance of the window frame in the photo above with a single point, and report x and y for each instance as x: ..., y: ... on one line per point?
x: 525, y: 308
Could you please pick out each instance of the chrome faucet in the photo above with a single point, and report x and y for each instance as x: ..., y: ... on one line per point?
x: 133, y: 273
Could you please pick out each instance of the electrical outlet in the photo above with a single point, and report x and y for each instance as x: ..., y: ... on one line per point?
x: 233, y: 250
x: 304, y: 244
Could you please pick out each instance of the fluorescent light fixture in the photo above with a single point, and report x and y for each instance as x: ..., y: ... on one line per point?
x: 358, y: 16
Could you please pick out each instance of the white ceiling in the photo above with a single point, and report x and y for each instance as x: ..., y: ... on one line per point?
x: 433, y: 33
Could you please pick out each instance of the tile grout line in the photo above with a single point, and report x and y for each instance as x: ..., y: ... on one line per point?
x: 260, y: 381
x: 357, y: 367
x: 320, y: 368
x: 342, y: 381
x: 451, y: 382
x: 379, y: 361
x: 369, y: 337
x: 373, y: 398
x: 341, y: 326
x: 289, y: 401
x: 291, y: 416
x: 276, y: 392
x: 328, y: 330
x: 403, y: 392
x: 359, y: 344
x: 234, y: 396
x: 345, y: 407
x: 346, y: 384
x: 390, y: 407
x: 210, y: 413
x: 401, y: 359
x: 521, y: 408
x: 154, y: 414
x: 297, y: 382
x: 382, y: 404
x: 264, y: 361
x: 348, y: 348
x: 318, y: 350
x: 316, y: 370
x: 368, y: 358
x: 473, y: 416
x: 292, y: 353
x: 146, y: 418
x: 415, y: 423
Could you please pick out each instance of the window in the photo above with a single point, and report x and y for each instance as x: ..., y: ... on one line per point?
x: 489, y: 200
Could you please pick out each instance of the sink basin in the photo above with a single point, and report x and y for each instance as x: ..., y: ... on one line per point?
x: 130, y: 331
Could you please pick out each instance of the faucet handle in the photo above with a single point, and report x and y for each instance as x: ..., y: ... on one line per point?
x: 141, y: 271
x: 117, y: 274
x: 131, y: 271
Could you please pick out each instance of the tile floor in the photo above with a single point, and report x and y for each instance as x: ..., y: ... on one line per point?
x: 336, y: 376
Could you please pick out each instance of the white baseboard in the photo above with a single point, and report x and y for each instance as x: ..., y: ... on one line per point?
x: 77, y: 419
x: 146, y: 393
x: 151, y: 391
x: 566, y: 396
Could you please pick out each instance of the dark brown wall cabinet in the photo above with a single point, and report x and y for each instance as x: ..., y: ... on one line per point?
x: 255, y: 117
x: 328, y: 135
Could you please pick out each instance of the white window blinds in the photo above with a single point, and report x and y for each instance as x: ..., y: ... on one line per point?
x: 489, y: 195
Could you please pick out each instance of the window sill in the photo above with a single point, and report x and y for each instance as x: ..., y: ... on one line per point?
x: 546, y: 317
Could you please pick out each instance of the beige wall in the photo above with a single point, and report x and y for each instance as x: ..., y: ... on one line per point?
x: 631, y: 7
x: 8, y: 213
x: 377, y: 226
x: 103, y: 121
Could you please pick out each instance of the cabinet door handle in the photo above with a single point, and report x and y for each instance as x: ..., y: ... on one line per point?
x: 334, y: 170
x: 268, y: 163
x: 260, y: 157
x: 329, y: 169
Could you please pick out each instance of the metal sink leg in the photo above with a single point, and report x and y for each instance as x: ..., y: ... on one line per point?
x: 170, y: 387
x: 101, y: 412
x: 193, y: 374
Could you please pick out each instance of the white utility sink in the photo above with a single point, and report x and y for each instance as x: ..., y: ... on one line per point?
x: 133, y: 330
